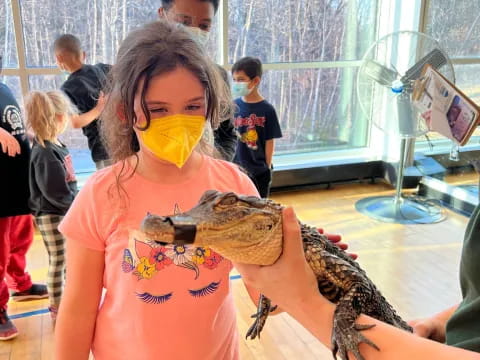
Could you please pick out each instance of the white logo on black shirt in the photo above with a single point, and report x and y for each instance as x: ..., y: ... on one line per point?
x: 11, y: 116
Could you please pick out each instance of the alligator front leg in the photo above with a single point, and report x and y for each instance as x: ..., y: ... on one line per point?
x: 264, y: 308
x: 346, y: 335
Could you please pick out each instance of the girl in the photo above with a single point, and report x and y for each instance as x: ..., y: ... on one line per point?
x: 168, y: 302
x: 52, y: 180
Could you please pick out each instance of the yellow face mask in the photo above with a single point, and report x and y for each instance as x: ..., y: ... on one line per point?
x: 173, y: 138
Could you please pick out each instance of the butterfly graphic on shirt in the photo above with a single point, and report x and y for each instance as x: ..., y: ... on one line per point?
x: 127, y: 261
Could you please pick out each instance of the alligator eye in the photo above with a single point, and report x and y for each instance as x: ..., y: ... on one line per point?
x: 229, y: 200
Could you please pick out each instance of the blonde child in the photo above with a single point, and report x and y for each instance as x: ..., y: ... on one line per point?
x: 169, y: 302
x: 52, y: 180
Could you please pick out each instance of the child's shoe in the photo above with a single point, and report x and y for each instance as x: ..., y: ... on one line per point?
x: 7, y: 329
x: 36, y: 292
x: 53, y: 313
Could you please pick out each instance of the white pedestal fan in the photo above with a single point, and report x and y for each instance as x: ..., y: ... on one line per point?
x: 384, y: 87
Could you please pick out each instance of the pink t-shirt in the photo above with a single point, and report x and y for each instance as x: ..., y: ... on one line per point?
x: 160, y: 302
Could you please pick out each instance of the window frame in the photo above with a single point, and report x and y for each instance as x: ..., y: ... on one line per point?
x: 319, y: 158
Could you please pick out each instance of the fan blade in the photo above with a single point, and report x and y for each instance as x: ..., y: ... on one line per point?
x: 435, y: 58
x: 379, y: 73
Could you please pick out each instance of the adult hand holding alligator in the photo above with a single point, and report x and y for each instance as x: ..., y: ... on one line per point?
x: 246, y: 229
x: 291, y: 283
x: 255, y: 231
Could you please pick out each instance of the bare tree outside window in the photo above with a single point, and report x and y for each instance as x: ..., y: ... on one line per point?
x: 317, y: 108
x: 316, y: 104
x: 7, y: 36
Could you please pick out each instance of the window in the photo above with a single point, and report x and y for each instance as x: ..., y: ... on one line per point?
x: 300, y: 31
x: 100, y: 24
x: 310, y: 50
x: 317, y: 109
x: 456, y: 24
x: 316, y: 102
x: 7, y: 36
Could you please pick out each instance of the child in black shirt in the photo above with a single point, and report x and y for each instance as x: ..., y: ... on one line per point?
x: 52, y: 180
x: 83, y: 87
x: 256, y: 123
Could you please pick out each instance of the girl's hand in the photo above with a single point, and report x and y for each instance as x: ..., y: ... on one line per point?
x: 9, y: 144
x: 290, y: 280
x: 430, y: 328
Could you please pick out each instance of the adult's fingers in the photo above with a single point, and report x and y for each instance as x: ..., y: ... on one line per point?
x: 292, y: 243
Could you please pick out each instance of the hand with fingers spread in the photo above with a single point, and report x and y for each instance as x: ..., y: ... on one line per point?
x: 9, y: 144
x: 337, y: 240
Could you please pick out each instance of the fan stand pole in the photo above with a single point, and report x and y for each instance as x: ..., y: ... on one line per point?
x: 397, y: 209
x: 397, y: 200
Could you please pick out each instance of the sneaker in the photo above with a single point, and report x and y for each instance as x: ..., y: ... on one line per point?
x: 36, y: 292
x: 7, y: 329
x: 53, y: 313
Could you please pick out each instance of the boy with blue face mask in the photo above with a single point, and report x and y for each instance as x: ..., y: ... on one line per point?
x: 256, y: 123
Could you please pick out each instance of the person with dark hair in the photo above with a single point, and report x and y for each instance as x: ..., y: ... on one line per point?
x: 197, y: 16
x: 169, y: 302
x: 83, y: 86
x: 16, y: 224
x: 256, y: 122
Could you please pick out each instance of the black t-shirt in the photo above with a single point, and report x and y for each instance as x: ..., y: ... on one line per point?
x: 83, y: 88
x: 255, y: 123
x: 225, y: 135
x: 14, y: 191
x: 52, y: 179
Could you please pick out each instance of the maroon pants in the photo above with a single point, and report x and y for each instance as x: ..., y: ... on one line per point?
x: 16, y: 236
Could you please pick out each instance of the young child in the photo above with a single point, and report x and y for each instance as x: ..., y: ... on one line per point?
x: 83, y: 86
x: 172, y: 302
x: 256, y: 123
x: 52, y: 180
x: 16, y: 225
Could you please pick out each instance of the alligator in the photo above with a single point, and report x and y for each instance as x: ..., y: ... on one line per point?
x: 246, y: 229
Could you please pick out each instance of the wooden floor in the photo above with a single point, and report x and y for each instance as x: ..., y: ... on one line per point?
x: 415, y: 266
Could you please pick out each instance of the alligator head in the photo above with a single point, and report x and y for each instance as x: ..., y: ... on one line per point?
x: 240, y: 228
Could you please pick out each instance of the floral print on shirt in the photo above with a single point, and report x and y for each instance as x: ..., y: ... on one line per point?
x: 147, y: 258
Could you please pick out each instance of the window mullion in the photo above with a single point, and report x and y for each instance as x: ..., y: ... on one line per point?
x: 20, y: 43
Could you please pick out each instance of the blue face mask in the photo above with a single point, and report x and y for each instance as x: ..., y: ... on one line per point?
x: 240, y: 89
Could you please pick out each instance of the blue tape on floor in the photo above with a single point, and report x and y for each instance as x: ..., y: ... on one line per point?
x: 45, y: 311
x: 27, y: 314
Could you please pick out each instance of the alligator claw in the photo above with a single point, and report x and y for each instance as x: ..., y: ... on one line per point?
x: 347, y: 339
x: 255, y: 329
x: 260, y: 317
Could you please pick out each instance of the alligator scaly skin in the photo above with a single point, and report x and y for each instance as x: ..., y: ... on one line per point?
x: 343, y: 282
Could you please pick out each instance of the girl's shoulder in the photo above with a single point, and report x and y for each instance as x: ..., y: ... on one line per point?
x: 101, y: 180
x: 225, y: 167
x: 230, y: 174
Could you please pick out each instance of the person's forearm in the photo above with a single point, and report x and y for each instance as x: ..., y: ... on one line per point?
x: 269, y: 146
x: 77, y: 315
x: 79, y: 121
x: 316, y: 315
x: 73, y: 333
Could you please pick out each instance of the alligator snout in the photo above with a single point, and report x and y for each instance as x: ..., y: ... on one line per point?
x: 176, y: 229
